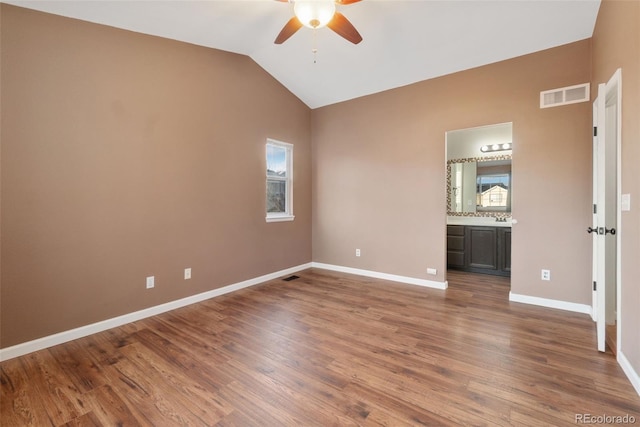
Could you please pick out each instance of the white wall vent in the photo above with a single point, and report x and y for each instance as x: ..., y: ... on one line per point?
x: 564, y: 95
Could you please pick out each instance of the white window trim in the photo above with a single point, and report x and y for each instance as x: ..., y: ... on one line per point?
x: 288, y: 215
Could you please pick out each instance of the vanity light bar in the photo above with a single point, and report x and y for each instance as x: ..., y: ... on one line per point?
x: 495, y: 147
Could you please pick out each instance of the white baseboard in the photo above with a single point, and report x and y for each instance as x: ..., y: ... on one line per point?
x: 83, y: 331
x: 385, y: 276
x: 629, y: 371
x: 551, y: 303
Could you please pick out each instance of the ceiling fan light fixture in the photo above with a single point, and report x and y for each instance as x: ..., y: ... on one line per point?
x: 314, y: 13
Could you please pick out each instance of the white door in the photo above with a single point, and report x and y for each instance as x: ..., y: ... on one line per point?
x: 606, y: 207
x: 599, y: 216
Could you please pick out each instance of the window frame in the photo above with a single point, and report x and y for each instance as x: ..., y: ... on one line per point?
x: 287, y: 215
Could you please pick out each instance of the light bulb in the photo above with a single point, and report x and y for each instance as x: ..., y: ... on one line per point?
x: 314, y: 13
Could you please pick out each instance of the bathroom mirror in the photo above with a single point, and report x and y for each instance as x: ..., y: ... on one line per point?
x: 479, y: 171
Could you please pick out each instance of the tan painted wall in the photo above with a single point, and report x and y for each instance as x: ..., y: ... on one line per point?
x: 379, y: 172
x: 124, y: 156
x: 616, y: 44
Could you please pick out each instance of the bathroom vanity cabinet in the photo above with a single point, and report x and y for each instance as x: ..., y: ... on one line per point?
x: 479, y: 249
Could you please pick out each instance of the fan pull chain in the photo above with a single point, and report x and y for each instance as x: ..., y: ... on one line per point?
x: 314, y: 47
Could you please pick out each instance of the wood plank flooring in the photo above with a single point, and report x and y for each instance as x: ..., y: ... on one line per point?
x: 328, y: 349
x: 612, y: 338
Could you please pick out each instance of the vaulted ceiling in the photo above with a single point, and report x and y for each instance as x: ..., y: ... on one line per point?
x: 404, y: 41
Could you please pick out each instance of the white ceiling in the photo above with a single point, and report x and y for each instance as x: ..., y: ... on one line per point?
x: 405, y: 41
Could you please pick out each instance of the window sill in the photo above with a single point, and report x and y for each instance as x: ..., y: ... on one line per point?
x: 280, y: 218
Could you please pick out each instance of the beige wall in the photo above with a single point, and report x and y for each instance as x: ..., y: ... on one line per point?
x: 379, y: 172
x: 124, y: 156
x: 616, y: 44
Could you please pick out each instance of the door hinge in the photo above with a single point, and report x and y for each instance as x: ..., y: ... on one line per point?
x: 594, y: 285
x: 595, y: 208
x: 595, y: 131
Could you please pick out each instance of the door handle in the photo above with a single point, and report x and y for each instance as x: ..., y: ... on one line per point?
x: 602, y: 230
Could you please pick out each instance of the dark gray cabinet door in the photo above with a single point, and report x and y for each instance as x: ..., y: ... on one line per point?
x: 481, y: 247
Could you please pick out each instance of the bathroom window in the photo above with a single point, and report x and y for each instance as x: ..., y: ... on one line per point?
x: 279, y: 156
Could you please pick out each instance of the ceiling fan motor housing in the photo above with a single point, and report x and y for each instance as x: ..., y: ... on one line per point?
x: 317, y: 14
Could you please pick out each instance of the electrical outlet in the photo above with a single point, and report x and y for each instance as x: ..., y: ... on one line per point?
x: 545, y: 275
x: 432, y: 271
x: 151, y: 282
x: 187, y: 273
x: 357, y: 252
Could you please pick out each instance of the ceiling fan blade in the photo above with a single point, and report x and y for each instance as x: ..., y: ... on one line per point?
x: 288, y: 30
x: 344, y: 28
x: 345, y: 2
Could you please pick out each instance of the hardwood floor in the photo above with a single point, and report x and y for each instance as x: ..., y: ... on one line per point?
x: 328, y: 349
x: 612, y: 338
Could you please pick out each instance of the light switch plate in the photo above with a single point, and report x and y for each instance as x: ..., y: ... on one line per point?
x: 625, y: 202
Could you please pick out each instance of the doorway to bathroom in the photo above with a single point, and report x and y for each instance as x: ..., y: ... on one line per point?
x: 479, y: 200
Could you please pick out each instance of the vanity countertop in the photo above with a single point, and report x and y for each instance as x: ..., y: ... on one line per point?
x: 475, y: 220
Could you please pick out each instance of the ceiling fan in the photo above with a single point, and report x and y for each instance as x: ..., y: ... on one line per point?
x: 317, y: 14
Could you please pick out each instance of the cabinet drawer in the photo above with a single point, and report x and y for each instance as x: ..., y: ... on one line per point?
x: 455, y: 259
x: 455, y: 243
x: 455, y: 230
